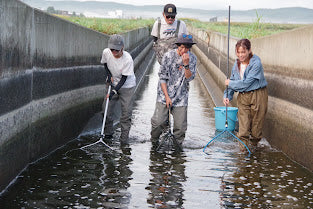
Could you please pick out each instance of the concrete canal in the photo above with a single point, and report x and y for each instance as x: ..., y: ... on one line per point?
x: 136, y: 176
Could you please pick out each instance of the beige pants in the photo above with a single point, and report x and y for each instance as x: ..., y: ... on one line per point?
x: 252, y: 107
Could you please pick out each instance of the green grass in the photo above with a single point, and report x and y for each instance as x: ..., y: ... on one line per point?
x: 110, y: 26
x: 240, y: 30
x: 243, y: 30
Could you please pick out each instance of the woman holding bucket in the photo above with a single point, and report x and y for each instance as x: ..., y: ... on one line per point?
x: 247, y: 78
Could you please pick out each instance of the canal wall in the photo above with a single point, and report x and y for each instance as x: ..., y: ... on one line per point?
x: 288, y: 66
x: 51, y: 81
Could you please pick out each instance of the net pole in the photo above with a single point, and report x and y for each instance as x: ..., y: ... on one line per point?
x: 226, y: 122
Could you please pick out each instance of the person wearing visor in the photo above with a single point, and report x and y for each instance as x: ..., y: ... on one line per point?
x: 178, y: 68
x: 166, y: 30
x: 119, y: 68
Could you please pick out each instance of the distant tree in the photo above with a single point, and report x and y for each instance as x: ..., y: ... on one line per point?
x: 74, y: 14
x: 51, y: 10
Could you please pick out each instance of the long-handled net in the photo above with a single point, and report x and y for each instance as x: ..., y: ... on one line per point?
x: 167, y: 140
x: 98, y: 147
x: 226, y: 133
x: 101, y: 141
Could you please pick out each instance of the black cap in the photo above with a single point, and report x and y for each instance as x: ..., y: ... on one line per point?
x: 170, y: 9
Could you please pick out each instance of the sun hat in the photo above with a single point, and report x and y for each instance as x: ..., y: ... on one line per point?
x: 116, y: 42
x: 170, y: 9
x: 184, y: 39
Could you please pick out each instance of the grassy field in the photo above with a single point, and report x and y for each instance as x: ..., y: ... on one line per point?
x: 110, y: 26
x: 241, y: 30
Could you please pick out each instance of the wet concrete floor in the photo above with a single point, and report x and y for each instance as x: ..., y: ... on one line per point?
x: 136, y: 176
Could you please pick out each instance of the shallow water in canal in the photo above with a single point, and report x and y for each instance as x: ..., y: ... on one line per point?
x: 136, y: 176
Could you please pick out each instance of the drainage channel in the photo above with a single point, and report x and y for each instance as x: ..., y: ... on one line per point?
x: 136, y: 176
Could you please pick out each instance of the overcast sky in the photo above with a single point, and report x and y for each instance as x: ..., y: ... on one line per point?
x: 223, y: 4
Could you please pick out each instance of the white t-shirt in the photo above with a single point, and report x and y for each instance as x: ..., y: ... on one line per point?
x: 120, y: 66
x: 242, y: 70
x: 166, y: 30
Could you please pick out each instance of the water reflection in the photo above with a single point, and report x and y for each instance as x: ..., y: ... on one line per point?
x: 168, y: 175
x: 268, y: 180
x: 115, y: 179
x: 73, y: 178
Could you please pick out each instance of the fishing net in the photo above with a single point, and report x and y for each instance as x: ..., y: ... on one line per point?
x: 227, y: 133
x: 167, y: 141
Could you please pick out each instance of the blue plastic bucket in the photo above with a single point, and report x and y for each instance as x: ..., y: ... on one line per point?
x: 220, y: 117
